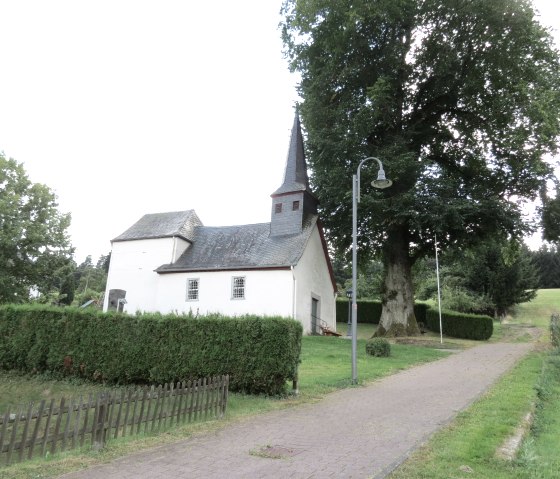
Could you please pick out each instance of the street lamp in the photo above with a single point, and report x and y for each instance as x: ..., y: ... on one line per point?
x: 381, y: 182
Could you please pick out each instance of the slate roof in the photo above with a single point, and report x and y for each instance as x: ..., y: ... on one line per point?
x: 241, y: 247
x: 163, y: 225
x: 295, y: 173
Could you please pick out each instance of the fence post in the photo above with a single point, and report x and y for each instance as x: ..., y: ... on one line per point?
x: 99, y: 431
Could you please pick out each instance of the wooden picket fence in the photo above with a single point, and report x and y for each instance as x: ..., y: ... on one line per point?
x: 32, y: 432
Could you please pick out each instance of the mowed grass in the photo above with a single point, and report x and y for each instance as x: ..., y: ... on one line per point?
x: 325, y: 367
x: 538, y: 311
x: 468, y: 446
x: 326, y: 361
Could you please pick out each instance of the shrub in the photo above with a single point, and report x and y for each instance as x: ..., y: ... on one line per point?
x: 370, y: 311
x: 463, y: 300
x: 259, y: 354
x: 460, y: 325
x: 378, y: 347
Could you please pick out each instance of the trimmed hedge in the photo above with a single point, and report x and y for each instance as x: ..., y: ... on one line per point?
x: 370, y: 311
x: 460, y: 325
x: 259, y: 354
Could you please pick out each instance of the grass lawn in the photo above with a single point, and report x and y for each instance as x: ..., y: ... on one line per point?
x: 467, y: 447
x: 326, y: 361
x: 16, y: 390
x: 325, y: 366
x: 538, y: 311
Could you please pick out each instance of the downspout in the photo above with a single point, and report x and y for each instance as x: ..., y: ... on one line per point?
x: 294, y: 295
x: 295, y: 382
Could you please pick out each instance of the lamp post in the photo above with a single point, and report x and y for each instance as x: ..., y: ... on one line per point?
x: 381, y: 182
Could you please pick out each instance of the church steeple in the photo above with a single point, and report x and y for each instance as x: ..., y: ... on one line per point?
x: 294, y: 199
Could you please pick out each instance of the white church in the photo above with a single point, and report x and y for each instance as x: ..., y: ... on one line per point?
x: 172, y: 263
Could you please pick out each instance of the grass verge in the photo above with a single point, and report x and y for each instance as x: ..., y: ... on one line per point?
x: 467, y: 447
x: 539, y: 452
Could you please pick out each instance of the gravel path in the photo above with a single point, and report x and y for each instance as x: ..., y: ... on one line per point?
x: 362, y: 432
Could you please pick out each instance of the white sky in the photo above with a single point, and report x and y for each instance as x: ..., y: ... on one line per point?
x: 128, y: 107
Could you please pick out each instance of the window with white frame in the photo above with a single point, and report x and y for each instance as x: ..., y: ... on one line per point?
x: 238, y: 287
x: 192, y: 289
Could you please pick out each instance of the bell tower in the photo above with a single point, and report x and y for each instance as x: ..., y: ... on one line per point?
x: 294, y: 199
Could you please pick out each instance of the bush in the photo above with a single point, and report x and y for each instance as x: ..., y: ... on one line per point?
x: 460, y: 325
x: 370, y: 311
x: 259, y: 354
x: 378, y: 347
x: 463, y: 300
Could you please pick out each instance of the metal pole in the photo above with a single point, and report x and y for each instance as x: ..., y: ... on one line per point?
x: 354, y: 275
x: 381, y: 183
x: 438, y: 291
x: 349, y: 319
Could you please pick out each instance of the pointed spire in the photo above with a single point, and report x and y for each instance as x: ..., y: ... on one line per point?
x: 295, y: 174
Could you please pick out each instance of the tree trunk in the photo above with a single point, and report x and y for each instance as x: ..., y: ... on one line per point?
x: 397, y: 316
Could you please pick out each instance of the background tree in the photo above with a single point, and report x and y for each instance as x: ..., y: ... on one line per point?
x: 459, y: 98
x: 59, y: 285
x: 33, y: 234
x: 547, y: 262
x: 550, y: 214
x: 488, y: 278
x: 91, y: 280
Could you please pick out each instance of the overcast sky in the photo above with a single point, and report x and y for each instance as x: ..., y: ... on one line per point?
x: 128, y: 107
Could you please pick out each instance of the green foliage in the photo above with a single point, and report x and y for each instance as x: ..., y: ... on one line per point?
x: 547, y: 262
x: 460, y: 325
x: 461, y: 104
x: 34, y: 241
x: 370, y: 311
x: 463, y: 300
x: 487, y: 278
x: 260, y: 354
x: 378, y: 347
x: 551, y: 218
x: 369, y: 280
x: 91, y: 280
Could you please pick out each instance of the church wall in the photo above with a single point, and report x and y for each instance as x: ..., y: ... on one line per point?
x: 313, y: 281
x: 132, y: 269
x: 267, y: 292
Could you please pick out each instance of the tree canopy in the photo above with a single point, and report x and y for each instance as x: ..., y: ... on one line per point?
x: 34, y: 241
x: 458, y: 98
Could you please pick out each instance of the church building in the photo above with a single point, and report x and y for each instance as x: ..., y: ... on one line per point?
x: 171, y: 262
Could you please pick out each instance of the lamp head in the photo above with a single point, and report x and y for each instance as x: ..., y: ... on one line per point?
x: 381, y: 182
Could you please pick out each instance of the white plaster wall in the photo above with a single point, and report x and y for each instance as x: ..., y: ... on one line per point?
x: 313, y: 280
x: 132, y: 269
x: 267, y: 292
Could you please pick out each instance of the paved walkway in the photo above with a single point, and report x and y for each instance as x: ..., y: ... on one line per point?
x: 354, y: 433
